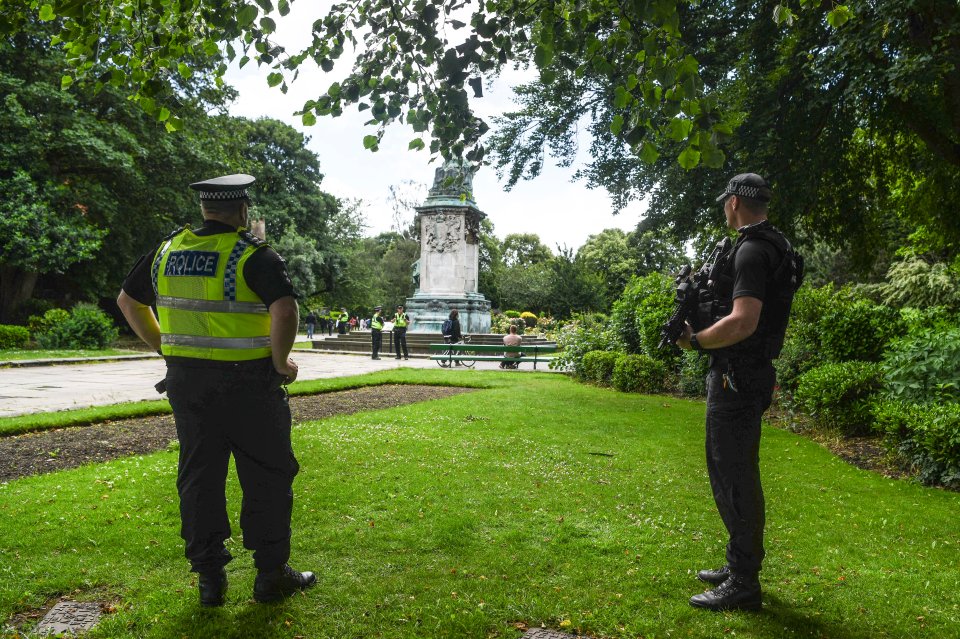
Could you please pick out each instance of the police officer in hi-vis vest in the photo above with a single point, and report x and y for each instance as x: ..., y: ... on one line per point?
x: 742, y: 330
x: 400, y: 322
x: 376, y: 330
x: 228, y: 318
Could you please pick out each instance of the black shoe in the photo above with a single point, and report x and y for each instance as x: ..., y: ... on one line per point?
x: 274, y: 585
x: 406, y: 358
x: 715, y: 577
x: 374, y: 358
x: 213, y: 588
x: 736, y: 593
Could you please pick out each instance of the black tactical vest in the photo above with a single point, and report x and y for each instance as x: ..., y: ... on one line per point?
x: 782, y: 282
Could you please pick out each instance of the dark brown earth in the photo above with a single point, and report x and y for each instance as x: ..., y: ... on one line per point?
x: 52, y: 450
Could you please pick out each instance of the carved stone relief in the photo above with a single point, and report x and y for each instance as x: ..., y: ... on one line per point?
x: 443, y: 232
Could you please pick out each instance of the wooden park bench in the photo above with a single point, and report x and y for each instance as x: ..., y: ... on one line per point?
x: 447, y: 354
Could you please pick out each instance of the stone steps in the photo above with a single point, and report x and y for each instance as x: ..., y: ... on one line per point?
x: 417, y: 343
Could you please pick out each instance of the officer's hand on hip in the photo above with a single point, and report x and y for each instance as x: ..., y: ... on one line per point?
x: 288, y: 370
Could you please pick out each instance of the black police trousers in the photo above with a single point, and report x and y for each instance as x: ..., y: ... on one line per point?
x: 733, y: 455
x: 240, y: 410
x: 400, y: 341
x: 377, y: 336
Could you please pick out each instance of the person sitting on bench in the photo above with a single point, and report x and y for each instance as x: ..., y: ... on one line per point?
x: 512, y: 339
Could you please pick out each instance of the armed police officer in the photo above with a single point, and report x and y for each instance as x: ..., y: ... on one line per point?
x: 228, y: 318
x: 741, y: 326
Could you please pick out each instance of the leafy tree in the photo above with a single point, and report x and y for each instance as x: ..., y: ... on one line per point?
x: 574, y: 286
x: 41, y: 233
x: 490, y: 264
x: 524, y: 249
x: 608, y: 254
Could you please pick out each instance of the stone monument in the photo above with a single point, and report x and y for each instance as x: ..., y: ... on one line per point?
x: 446, y: 274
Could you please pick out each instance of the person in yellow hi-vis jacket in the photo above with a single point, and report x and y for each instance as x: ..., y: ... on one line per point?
x: 400, y: 322
x: 227, y: 321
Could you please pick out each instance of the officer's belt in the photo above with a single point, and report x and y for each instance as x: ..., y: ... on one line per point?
x: 210, y: 306
x: 205, y: 341
x: 724, y: 362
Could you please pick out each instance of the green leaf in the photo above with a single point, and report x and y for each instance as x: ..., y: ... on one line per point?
x: 164, y: 114
x: 268, y: 25
x: 210, y: 48
x: 416, y: 143
x: 712, y: 157
x: 246, y: 15
x: 274, y: 79
x: 173, y: 124
x: 620, y: 97
x: 327, y: 65
x: 284, y: 7
x: 617, y: 124
x: 266, y: 5
x: 689, y: 158
x: 185, y: 71
x: 309, y: 119
x: 244, y: 60
x: 839, y: 16
x: 370, y: 141
x: 649, y: 153
x: 679, y: 129
x: 543, y: 55
x: 65, y: 82
x: 46, y: 13
x: 783, y: 15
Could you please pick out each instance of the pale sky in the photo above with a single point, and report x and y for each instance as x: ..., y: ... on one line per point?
x: 561, y: 212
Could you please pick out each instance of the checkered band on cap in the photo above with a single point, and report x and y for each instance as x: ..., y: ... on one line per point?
x: 748, y: 185
x: 742, y: 189
x: 238, y: 194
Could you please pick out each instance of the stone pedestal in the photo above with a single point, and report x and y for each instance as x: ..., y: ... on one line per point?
x: 448, y: 268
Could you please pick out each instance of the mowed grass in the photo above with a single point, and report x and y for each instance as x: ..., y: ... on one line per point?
x: 535, y: 501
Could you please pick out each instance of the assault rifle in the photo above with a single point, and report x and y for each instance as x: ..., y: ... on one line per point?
x: 688, y: 294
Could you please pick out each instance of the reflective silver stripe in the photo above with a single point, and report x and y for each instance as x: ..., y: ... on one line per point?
x: 202, y: 341
x: 211, y: 306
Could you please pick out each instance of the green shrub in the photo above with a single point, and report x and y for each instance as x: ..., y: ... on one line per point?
x: 13, y: 336
x: 692, y: 380
x: 928, y: 435
x: 529, y: 319
x: 85, y: 327
x: 637, y: 316
x: 43, y: 323
x: 597, y: 366
x: 512, y: 314
x: 858, y: 330
x: 919, y: 320
x: 924, y: 368
x: 638, y: 374
x: 578, y: 338
x: 839, y: 395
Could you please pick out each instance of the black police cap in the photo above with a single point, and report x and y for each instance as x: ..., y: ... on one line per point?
x: 226, y: 187
x: 747, y: 185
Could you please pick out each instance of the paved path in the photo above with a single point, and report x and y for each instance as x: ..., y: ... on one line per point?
x: 38, y: 389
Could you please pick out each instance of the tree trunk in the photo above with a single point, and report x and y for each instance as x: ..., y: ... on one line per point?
x: 16, y: 287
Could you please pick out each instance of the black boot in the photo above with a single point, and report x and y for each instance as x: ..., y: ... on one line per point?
x: 715, y: 577
x: 274, y: 585
x: 736, y: 593
x: 213, y: 588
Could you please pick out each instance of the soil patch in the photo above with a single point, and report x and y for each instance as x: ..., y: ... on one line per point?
x: 52, y: 450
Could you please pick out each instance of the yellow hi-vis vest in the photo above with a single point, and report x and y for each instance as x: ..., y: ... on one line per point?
x: 400, y: 320
x: 206, y: 308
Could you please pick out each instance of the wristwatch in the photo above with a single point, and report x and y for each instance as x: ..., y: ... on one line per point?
x: 694, y: 344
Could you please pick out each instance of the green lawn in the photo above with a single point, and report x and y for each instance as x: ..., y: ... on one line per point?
x: 14, y: 354
x: 536, y: 500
